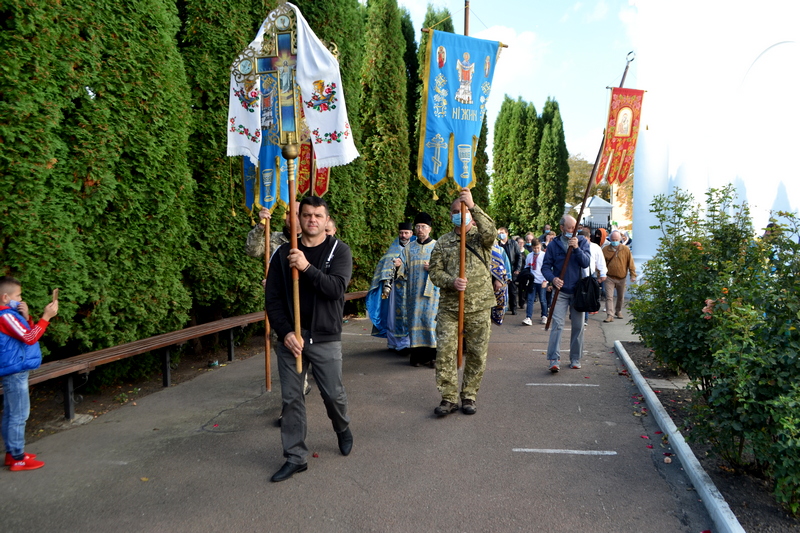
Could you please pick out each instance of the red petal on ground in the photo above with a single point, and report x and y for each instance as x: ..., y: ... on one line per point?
x: 315, y: 454
x: 645, y: 437
x: 649, y: 445
x: 658, y: 432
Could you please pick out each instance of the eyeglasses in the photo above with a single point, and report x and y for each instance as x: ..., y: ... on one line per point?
x: 421, y: 226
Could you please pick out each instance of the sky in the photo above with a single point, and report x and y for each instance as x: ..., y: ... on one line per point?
x: 569, y: 51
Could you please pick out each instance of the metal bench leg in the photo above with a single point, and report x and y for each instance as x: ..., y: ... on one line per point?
x: 230, y: 345
x: 165, y: 370
x: 69, y: 399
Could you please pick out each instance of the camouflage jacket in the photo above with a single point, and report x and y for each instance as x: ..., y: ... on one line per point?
x: 444, y: 265
x: 254, y: 247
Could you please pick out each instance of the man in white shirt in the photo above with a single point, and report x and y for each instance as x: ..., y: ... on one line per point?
x: 597, y: 264
x: 534, y: 261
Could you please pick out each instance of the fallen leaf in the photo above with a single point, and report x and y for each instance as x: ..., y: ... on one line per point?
x: 145, y: 479
x: 315, y: 455
x: 644, y: 436
x: 658, y: 432
x: 667, y: 460
x: 649, y: 445
x: 216, y: 425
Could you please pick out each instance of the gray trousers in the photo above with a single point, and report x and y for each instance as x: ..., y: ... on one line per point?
x: 564, y: 305
x: 326, y: 367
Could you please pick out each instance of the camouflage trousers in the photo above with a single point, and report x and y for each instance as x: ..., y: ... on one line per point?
x: 477, y: 328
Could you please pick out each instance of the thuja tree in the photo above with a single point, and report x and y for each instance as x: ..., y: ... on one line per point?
x: 223, y: 281
x: 553, y: 172
x: 342, y: 22
x: 41, y: 201
x: 107, y: 130
x: 515, y: 187
x: 384, y: 125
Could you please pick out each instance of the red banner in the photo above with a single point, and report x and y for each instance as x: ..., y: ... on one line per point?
x: 622, y: 130
x: 304, y: 169
x: 321, y: 181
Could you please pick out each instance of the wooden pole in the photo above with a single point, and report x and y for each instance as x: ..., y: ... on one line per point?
x: 592, y: 177
x: 267, y: 355
x: 462, y: 271
x: 290, y: 153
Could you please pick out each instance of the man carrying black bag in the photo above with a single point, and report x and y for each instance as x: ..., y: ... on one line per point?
x: 551, y: 269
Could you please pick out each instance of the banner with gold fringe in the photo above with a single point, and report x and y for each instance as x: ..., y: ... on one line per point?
x: 456, y: 86
x: 622, y: 131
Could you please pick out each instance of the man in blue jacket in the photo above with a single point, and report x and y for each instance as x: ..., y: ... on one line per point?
x: 551, y: 269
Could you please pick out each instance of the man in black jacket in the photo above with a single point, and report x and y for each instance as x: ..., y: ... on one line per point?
x: 325, y: 266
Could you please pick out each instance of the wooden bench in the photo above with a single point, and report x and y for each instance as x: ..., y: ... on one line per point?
x: 85, y: 363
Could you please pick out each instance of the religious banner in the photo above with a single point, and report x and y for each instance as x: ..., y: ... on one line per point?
x: 285, y: 88
x: 321, y: 181
x: 621, y: 133
x: 304, y: 164
x: 456, y: 86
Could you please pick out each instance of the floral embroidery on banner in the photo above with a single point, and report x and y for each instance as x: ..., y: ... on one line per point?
x: 334, y: 136
x: 241, y: 130
x: 248, y: 98
x: 323, y: 97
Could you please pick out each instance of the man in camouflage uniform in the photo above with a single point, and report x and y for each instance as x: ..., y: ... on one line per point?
x: 478, y: 301
x: 255, y: 238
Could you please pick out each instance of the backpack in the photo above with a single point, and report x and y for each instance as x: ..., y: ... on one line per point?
x: 587, y: 295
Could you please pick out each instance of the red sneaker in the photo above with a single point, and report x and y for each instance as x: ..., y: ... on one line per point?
x: 25, y: 464
x: 10, y: 458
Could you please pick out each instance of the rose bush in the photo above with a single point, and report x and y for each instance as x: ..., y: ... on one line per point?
x: 723, y: 306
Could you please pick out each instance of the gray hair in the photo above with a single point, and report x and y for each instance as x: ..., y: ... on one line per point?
x: 617, y: 232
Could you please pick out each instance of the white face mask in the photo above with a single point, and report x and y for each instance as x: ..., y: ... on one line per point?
x: 13, y: 304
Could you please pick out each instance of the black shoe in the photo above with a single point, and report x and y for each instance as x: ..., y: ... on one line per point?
x: 512, y: 312
x: 288, y: 470
x: 345, y: 441
x: 445, y: 408
x: 278, y: 421
x: 468, y: 407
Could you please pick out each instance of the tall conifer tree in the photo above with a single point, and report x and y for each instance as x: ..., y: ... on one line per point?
x: 223, y: 280
x: 384, y: 125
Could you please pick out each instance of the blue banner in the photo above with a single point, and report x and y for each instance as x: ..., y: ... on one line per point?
x: 267, y: 185
x: 457, y: 84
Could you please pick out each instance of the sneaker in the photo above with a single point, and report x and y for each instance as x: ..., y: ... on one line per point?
x: 554, y: 367
x: 445, y: 408
x: 544, y: 320
x: 468, y: 406
x: 576, y: 366
x: 527, y: 321
x: 10, y: 458
x: 25, y: 464
x: 609, y: 319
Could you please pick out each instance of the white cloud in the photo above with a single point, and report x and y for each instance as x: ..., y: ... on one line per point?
x: 599, y: 12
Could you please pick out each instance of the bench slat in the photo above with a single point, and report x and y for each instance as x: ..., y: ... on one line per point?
x: 87, y: 362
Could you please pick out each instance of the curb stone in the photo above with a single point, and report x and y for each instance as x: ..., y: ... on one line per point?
x: 718, y: 508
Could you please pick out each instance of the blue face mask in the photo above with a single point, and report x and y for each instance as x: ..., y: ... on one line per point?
x: 13, y: 304
x: 614, y: 243
x: 501, y: 236
x: 567, y: 235
x: 457, y: 219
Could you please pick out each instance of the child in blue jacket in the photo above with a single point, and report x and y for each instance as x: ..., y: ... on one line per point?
x: 19, y: 354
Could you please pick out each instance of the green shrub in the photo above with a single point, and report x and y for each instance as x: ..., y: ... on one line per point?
x: 724, y: 307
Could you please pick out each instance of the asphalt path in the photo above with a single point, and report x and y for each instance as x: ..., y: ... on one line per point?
x: 545, y: 452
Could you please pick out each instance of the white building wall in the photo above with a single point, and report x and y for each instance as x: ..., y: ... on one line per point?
x: 722, y: 105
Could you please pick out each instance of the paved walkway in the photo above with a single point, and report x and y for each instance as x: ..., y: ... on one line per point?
x: 545, y: 452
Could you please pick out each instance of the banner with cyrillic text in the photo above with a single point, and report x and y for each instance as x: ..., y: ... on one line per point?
x: 456, y: 87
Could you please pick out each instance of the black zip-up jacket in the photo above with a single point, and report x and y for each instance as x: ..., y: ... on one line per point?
x: 330, y: 284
